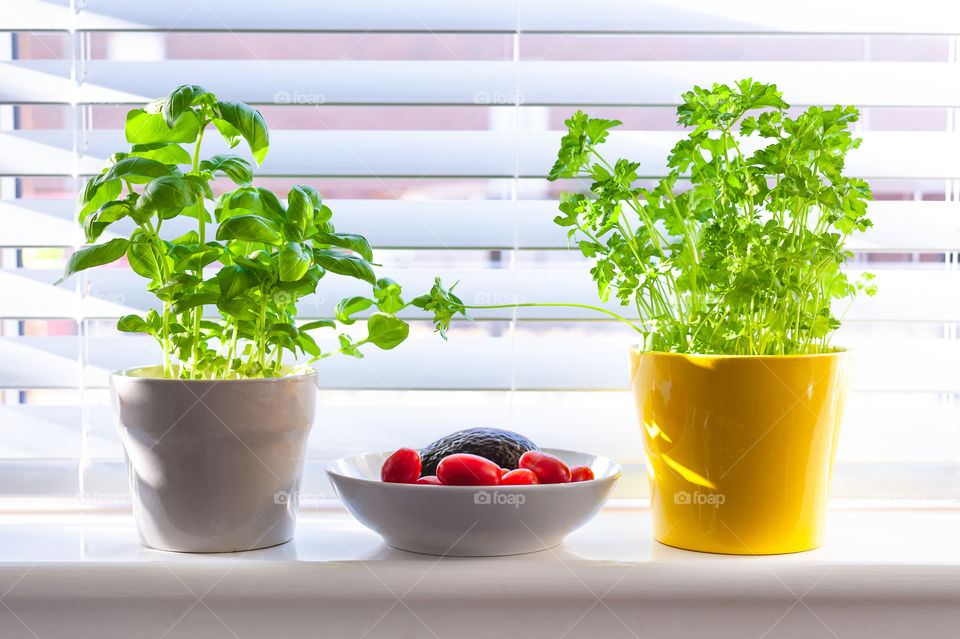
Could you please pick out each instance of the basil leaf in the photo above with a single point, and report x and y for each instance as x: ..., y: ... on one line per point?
x: 299, y: 208
x: 140, y: 170
x: 95, y: 223
x: 347, y: 307
x: 337, y: 262
x: 251, y: 228
x: 95, y: 255
x: 166, y: 152
x: 356, y: 243
x: 150, y: 128
x: 233, y: 166
x: 97, y: 193
x: 386, y: 331
x: 166, y: 196
x: 293, y: 262
x: 181, y: 99
x: 133, y: 324
x: 248, y: 121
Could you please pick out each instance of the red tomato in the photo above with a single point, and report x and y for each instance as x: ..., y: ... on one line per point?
x: 519, y: 477
x: 464, y: 469
x: 429, y: 479
x: 581, y: 473
x: 549, y: 469
x: 402, y: 467
x: 504, y: 471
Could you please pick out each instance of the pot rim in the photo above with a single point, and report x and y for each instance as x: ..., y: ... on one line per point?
x: 128, y: 373
x: 837, y: 351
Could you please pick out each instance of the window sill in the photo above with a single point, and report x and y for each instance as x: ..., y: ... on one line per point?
x: 881, y: 573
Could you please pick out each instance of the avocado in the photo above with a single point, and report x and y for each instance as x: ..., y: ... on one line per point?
x: 502, y: 447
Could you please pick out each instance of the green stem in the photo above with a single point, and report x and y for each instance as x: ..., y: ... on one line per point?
x: 338, y: 351
x: 592, y: 308
x: 201, y: 214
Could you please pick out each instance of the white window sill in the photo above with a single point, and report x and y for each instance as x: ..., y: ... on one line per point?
x: 882, y: 573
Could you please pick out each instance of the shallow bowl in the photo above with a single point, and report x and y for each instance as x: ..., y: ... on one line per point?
x: 471, y: 521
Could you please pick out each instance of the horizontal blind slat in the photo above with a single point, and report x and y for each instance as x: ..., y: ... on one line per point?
x: 554, y: 16
x: 903, y: 294
x: 479, y: 83
x: 492, y: 154
x: 899, y: 226
x: 463, y: 363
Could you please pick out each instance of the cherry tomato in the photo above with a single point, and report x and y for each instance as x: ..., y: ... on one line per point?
x: 402, y: 467
x: 519, y: 477
x: 504, y: 471
x: 429, y: 479
x: 464, y: 469
x: 581, y: 473
x: 549, y: 469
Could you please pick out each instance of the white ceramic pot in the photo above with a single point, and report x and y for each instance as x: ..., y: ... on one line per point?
x: 214, y: 465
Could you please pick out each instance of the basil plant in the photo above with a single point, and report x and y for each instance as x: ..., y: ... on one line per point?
x: 247, y: 253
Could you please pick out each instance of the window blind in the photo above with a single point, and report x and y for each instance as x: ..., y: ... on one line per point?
x: 429, y: 127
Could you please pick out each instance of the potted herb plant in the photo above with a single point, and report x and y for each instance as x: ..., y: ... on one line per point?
x: 733, y: 263
x: 214, y: 436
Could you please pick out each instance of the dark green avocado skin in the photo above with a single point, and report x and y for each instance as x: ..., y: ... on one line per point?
x: 502, y: 447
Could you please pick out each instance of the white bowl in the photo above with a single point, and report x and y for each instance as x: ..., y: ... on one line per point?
x: 471, y: 521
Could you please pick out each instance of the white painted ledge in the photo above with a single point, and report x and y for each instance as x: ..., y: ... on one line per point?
x: 882, y: 573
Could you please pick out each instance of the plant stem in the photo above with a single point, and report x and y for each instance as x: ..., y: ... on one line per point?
x: 592, y: 308
x: 201, y: 214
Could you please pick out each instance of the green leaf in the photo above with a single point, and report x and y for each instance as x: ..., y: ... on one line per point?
x: 166, y: 196
x: 95, y: 255
x: 356, y: 243
x: 248, y: 121
x: 293, y: 262
x: 315, y: 198
x: 443, y: 304
x: 95, y: 223
x: 386, y: 331
x: 134, y: 324
x: 192, y: 300
x: 349, y: 265
x: 140, y: 170
x: 233, y: 166
x: 235, y: 280
x: 307, y: 344
x: 150, y: 128
x: 97, y: 193
x: 324, y: 323
x: 167, y: 153
x: 241, y: 307
x: 299, y: 208
x: 347, y: 347
x: 181, y: 99
x: 387, y: 292
x: 229, y: 132
x: 349, y: 306
x: 141, y: 257
x: 250, y: 228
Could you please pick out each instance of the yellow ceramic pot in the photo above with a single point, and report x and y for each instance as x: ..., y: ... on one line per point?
x: 740, y: 449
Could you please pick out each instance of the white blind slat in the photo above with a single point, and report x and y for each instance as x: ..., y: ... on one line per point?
x: 480, y: 83
x: 424, y: 16
x: 440, y: 224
